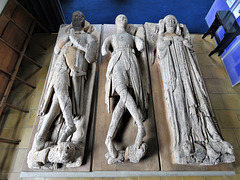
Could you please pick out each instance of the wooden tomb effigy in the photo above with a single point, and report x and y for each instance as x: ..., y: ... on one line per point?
x: 158, y: 160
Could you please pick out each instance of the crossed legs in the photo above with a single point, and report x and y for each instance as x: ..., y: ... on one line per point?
x: 125, y: 101
x: 60, y: 102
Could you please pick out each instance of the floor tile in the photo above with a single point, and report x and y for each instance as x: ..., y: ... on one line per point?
x: 194, y: 178
x: 17, y: 97
x: 7, y: 160
x: 237, y: 177
x: 15, y: 119
x: 228, y: 118
x: 217, y: 118
x: 32, y: 178
x: 216, y: 101
x: 205, y: 60
x: 19, y: 159
x: 126, y: 178
x: 14, y: 176
x: 206, y: 72
x: 38, y: 74
x: 172, y: 178
x: 6, y: 132
x: 216, y: 86
x: 231, y: 101
x: 40, y: 85
x: 229, y: 136
x: 235, y: 89
x: 237, y: 134
x: 197, y: 38
x: 23, y: 134
x: 219, y: 72
x: 199, y: 49
x: 149, y: 178
x: 208, y: 47
x: 79, y: 178
x: 237, y: 161
x: 56, y: 178
x: 217, y: 178
x: 32, y: 101
x: 31, y: 119
x: 217, y: 60
x: 3, y: 176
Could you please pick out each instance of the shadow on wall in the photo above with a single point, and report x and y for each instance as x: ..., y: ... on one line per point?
x: 190, y: 12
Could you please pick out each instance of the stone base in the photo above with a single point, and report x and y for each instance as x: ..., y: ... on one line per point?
x: 119, y: 159
x: 135, y: 154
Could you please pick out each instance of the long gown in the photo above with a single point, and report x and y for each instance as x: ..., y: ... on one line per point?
x: 195, y: 138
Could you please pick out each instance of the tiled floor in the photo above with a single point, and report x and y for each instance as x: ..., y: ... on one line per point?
x: 18, y: 125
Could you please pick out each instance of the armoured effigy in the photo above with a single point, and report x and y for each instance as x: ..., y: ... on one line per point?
x: 123, y: 73
x: 62, y: 129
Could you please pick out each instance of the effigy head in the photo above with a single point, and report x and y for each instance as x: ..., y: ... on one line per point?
x: 170, y: 23
x: 78, y: 20
x: 121, y: 21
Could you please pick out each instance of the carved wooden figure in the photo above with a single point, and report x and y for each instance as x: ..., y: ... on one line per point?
x: 63, y: 116
x: 195, y: 135
x: 123, y: 73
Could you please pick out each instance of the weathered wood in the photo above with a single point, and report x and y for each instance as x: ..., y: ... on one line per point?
x: 127, y: 131
x: 9, y: 86
x: 8, y: 61
x: 4, y: 21
x: 22, y: 19
x: 18, y: 51
x: 17, y: 108
x: 13, y: 36
x: 37, y: 22
x: 10, y: 141
x: 17, y: 78
x: 7, y: 19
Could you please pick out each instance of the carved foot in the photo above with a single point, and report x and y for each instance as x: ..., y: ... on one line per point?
x: 37, y: 159
x: 118, y: 159
x: 135, y: 153
x: 39, y: 143
x: 68, y: 132
x: 183, y: 153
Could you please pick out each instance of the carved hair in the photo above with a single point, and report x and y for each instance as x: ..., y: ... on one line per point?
x: 162, y: 25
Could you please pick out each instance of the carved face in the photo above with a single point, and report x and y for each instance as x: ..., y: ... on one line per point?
x: 65, y: 151
x: 170, y: 23
x: 121, y: 21
x: 78, y: 20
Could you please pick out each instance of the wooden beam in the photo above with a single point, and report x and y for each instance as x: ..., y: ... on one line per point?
x: 32, y: 61
x: 25, y: 56
x: 10, y: 141
x: 17, y: 108
x: 9, y: 86
x: 25, y: 82
x: 19, y: 79
x: 39, y: 24
x: 32, y: 38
